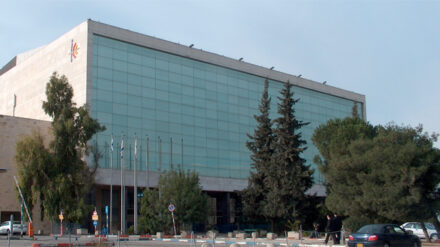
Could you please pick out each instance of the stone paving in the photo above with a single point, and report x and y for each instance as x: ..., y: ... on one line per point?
x: 112, y: 240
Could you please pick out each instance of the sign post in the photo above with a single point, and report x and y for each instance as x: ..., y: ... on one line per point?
x: 171, y: 208
x: 95, y: 219
x: 21, y: 219
x: 106, y: 213
x: 61, y: 217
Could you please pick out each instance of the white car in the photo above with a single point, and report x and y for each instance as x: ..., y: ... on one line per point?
x: 416, y: 229
x: 5, y: 227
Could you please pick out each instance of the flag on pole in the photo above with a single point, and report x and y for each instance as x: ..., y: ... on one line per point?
x: 111, y: 146
x: 122, y: 148
x: 135, y: 146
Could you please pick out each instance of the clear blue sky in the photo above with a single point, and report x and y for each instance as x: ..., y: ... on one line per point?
x: 387, y: 50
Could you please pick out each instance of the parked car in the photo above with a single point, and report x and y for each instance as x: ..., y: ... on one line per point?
x: 5, y: 227
x: 416, y: 228
x: 383, y: 235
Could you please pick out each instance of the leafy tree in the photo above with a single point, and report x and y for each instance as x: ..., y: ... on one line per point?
x: 261, y: 146
x: 184, y: 192
x: 378, y: 174
x: 58, y: 176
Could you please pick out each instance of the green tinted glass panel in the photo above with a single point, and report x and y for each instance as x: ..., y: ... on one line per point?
x: 190, y: 109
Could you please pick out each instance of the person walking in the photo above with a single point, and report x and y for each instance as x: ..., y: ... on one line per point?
x: 337, y: 224
x: 330, y: 230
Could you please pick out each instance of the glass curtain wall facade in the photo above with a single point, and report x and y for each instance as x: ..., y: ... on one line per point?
x: 196, y: 115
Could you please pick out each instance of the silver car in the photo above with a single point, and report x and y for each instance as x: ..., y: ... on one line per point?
x: 5, y: 227
x: 416, y: 229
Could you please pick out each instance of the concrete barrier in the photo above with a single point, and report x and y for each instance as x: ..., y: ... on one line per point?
x: 81, y: 231
x: 293, y: 235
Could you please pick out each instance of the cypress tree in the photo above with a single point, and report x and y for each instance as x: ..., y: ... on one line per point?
x: 260, y: 144
x: 288, y: 176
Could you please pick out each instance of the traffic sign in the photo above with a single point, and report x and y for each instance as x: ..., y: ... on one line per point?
x: 95, y: 216
x: 171, y: 207
x: 106, y: 209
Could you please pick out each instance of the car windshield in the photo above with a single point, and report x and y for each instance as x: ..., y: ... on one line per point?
x: 371, y: 229
x: 429, y: 226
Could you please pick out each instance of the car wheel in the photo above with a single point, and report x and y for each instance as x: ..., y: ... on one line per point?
x: 386, y: 245
x: 434, y: 236
x: 415, y: 244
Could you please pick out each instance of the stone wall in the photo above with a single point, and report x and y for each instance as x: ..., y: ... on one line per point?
x: 13, y: 129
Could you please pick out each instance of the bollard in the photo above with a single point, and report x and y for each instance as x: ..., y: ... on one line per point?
x: 343, y: 235
x: 119, y: 239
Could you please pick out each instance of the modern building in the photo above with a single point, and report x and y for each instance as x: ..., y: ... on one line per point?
x: 192, y: 108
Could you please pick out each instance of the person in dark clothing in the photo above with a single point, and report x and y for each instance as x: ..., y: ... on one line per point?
x: 315, y: 232
x: 337, y: 224
x: 330, y: 229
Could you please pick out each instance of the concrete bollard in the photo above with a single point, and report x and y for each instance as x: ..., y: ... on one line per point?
x: 230, y: 234
x: 271, y: 236
x: 254, y: 235
x: 234, y: 245
x: 270, y: 245
x: 159, y: 235
x: 241, y: 235
x: 212, y: 234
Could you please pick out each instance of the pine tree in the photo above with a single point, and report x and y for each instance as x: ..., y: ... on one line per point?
x: 288, y: 177
x: 354, y: 111
x: 378, y: 173
x: 260, y: 144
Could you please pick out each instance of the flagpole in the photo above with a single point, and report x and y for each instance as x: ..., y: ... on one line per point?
x: 147, y: 163
x: 182, y: 154
x: 122, y: 189
x: 111, y: 184
x: 160, y: 154
x: 135, y: 186
x: 171, y: 154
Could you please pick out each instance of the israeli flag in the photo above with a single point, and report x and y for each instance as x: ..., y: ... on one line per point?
x: 111, y: 146
x: 122, y: 148
x: 135, y: 145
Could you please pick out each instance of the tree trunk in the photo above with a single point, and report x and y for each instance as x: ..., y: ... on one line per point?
x: 271, y: 225
x: 428, y: 239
